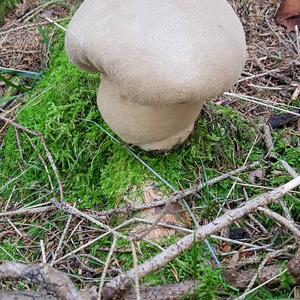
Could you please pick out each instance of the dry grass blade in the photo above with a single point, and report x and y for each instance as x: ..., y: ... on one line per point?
x: 108, y: 259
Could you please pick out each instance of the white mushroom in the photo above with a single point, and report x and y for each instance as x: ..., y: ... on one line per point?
x: 160, y: 60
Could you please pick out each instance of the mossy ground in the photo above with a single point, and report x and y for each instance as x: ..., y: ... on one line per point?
x: 97, y: 172
x: 5, y: 6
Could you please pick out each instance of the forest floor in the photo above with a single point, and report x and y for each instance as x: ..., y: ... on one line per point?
x: 66, y: 181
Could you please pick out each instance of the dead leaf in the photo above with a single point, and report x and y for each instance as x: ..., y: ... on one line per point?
x: 175, y: 215
x: 278, y: 121
x: 238, y: 233
x: 257, y: 176
x: 288, y: 14
x: 226, y: 248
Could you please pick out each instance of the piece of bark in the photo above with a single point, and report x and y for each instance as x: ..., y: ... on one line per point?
x: 241, y: 278
x: 294, y: 266
x: 167, y: 292
x: 288, y: 14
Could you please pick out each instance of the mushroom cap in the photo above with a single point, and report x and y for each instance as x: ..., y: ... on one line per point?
x: 159, y: 52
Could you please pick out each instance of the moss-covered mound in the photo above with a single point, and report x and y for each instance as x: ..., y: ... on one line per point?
x: 95, y: 170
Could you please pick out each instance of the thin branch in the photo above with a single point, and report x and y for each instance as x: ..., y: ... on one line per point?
x: 269, y: 142
x: 29, y: 211
x: 283, y: 221
x: 108, y: 259
x: 253, y: 100
x: 63, y: 206
x: 129, y: 209
x: 136, y: 278
x: 63, y: 236
x: 48, y: 153
x: 289, y: 169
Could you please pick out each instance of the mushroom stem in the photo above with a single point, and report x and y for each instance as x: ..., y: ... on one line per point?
x: 151, y: 127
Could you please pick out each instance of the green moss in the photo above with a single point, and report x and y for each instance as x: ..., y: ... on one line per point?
x: 8, y: 252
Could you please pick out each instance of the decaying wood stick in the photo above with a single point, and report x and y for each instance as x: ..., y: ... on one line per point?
x: 28, y: 211
x: 57, y: 286
x: 50, y: 279
x: 116, y: 287
x: 166, y: 292
x: 24, y: 296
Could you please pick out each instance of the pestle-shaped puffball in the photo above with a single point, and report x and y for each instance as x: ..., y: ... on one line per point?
x: 160, y: 61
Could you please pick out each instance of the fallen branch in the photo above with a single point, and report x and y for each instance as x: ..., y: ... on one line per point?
x: 116, y: 287
x: 57, y: 286
x: 51, y: 280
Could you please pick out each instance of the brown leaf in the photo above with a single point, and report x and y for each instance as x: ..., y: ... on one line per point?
x: 288, y: 14
x: 226, y: 248
x: 257, y: 176
x: 175, y: 215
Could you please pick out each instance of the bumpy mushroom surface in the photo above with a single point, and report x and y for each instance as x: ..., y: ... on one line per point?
x: 160, y: 60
